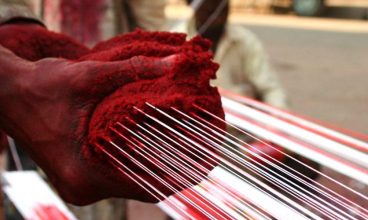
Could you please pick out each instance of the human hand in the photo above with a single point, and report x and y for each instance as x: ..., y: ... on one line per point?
x: 46, y: 106
x: 31, y: 41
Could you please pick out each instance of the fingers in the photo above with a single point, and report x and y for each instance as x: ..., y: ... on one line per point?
x: 164, y: 38
x: 33, y: 42
x: 20, y: 39
x: 104, y: 78
x: 11, y: 68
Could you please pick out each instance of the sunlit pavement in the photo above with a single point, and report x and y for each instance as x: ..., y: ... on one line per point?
x: 292, y: 21
x: 286, y: 21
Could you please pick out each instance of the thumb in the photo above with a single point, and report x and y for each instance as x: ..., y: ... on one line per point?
x: 8, y: 58
x: 12, y: 68
x: 105, y: 78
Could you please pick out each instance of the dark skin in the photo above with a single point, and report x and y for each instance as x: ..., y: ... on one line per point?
x: 216, y: 28
x: 43, y: 103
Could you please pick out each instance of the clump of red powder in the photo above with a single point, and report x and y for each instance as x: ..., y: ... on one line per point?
x: 182, y: 86
x: 38, y: 43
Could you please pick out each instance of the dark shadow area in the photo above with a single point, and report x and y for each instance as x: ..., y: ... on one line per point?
x: 281, y: 10
x: 346, y: 12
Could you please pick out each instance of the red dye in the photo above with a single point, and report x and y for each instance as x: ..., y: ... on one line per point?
x: 34, y: 43
x: 265, y: 148
x: 48, y: 212
x: 180, y: 83
x: 167, y: 38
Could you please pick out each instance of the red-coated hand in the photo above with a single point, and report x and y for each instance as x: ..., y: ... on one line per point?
x: 46, y: 105
x: 31, y: 41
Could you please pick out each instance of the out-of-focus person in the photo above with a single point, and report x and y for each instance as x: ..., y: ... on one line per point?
x: 244, y: 66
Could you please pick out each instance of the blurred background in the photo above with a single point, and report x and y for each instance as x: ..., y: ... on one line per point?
x: 318, y: 48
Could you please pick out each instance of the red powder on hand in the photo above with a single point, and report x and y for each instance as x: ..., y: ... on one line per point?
x: 35, y: 42
x: 167, y: 38
x: 181, y: 86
